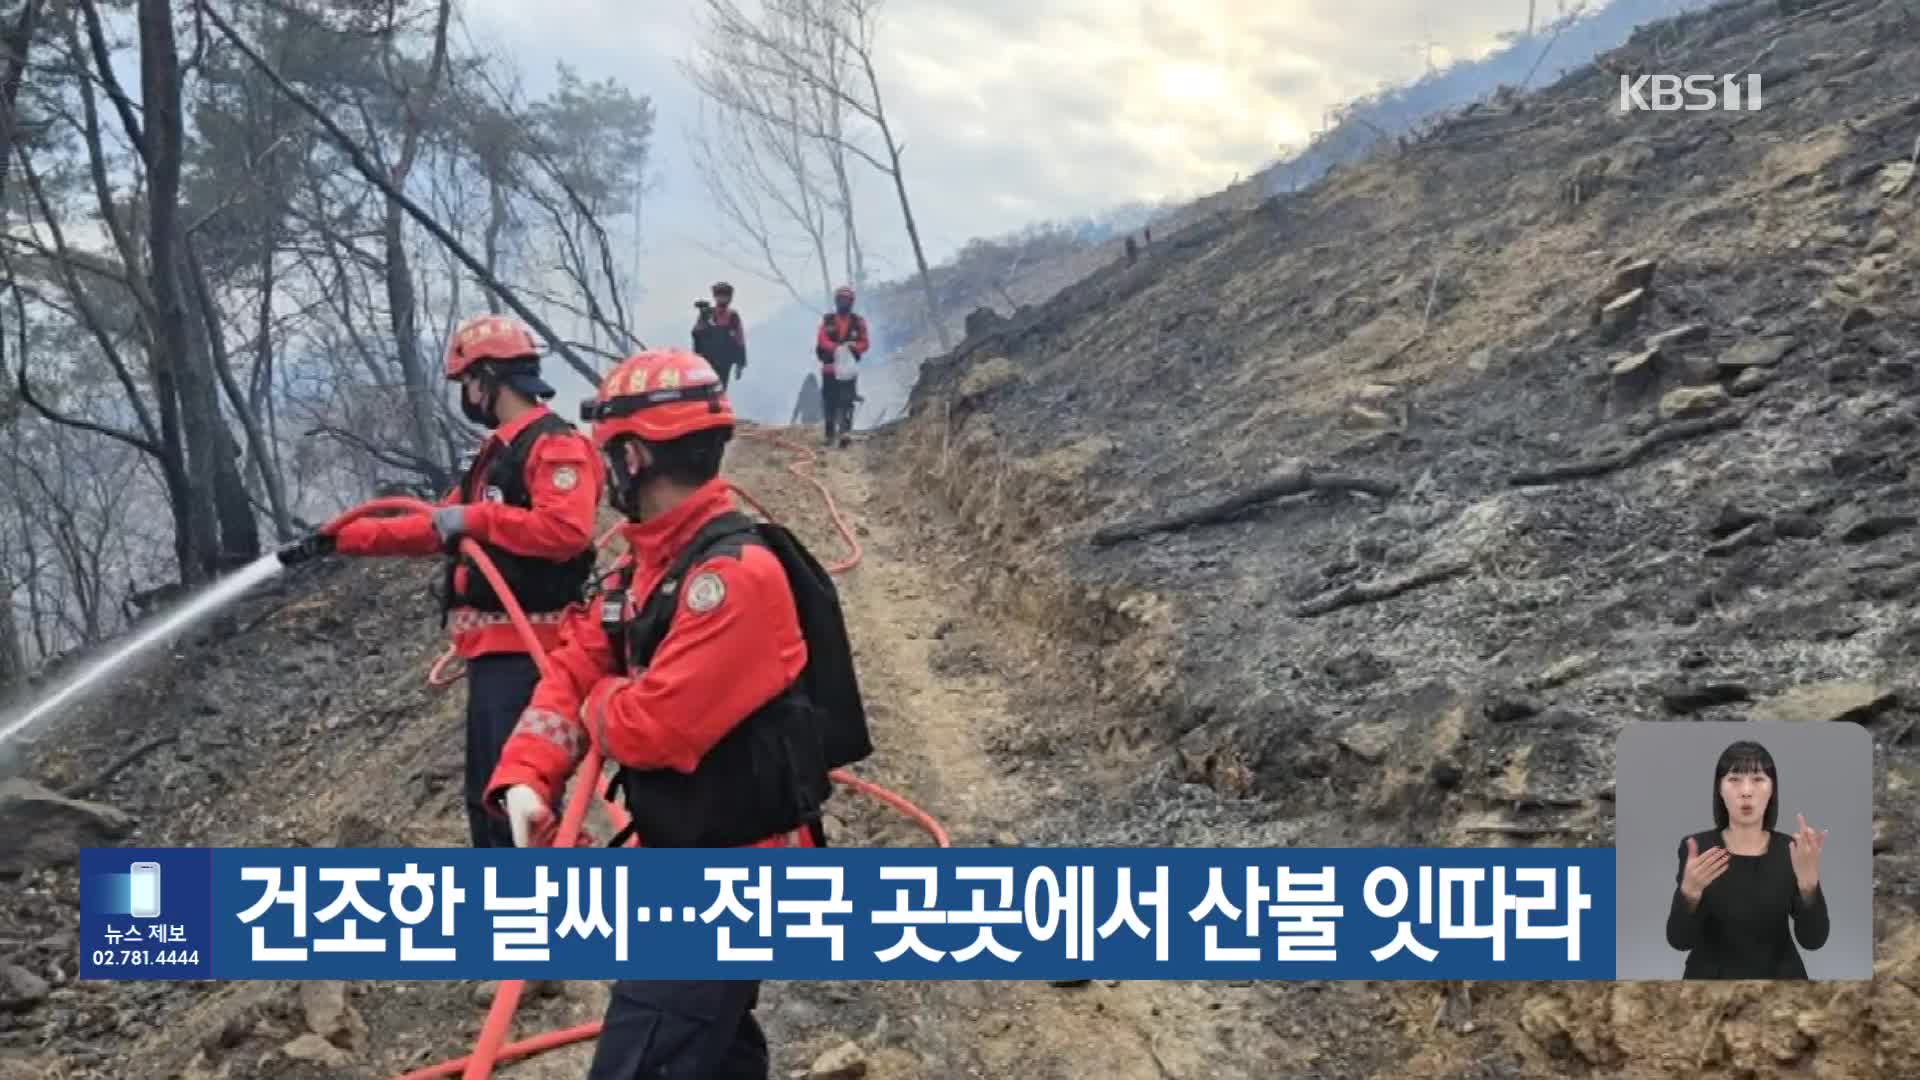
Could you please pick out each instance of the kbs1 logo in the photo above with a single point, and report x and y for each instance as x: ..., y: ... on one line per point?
x: 1690, y: 93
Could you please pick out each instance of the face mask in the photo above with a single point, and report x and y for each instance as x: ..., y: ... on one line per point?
x: 623, y: 487
x: 843, y: 306
x: 482, y: 414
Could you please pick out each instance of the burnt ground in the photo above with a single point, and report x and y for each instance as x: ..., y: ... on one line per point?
x: 304, y: 719
x: 1427, y: 320
x: 1430, y: 320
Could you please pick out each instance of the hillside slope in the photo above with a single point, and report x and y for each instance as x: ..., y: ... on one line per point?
x: 1005, y: 273
x: 1428, y: 320
x: 1201, y: 686
x: 304, y: 718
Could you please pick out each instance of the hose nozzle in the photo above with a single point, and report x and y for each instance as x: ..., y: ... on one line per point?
x: 305, y: 549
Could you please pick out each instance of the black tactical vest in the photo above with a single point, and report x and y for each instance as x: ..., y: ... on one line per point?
x: 540, y: 585
x: 769, y: 774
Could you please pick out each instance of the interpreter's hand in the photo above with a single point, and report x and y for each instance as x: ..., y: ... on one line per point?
x: 450, y: 523
x: 1701, y: 870
x: 1804, y: 850
x: 528, y: 814
x: 306, y: 549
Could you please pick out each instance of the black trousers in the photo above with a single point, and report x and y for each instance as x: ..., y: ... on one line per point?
x: 681, y: 1031
x: 836, y: 400
x: 723, y: 367
x: 499, y: 686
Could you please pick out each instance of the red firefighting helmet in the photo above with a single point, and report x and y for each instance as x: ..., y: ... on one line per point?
x: 659, y: 395
x: 488, y: 337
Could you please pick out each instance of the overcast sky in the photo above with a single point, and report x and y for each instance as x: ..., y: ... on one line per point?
x: 1015, y: 111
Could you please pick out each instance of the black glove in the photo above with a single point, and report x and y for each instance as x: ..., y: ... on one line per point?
x: 306, y: 548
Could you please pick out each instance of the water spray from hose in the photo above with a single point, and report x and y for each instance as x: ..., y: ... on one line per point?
x: 99, y: 674
x: 492, y: 1046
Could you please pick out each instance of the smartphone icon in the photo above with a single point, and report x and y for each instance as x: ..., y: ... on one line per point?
x: 145, y: 890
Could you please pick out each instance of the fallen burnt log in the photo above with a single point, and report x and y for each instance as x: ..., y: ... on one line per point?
x: 1293, y: 482
x: 1628, y: 455
x: 1369, y: 592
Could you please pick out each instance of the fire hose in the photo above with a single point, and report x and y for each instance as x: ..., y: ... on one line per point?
x: 491, y: 1047
x: 801, y: 466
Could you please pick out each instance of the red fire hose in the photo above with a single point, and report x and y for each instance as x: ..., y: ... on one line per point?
x: 491, y: 1047
x: 801, y: 466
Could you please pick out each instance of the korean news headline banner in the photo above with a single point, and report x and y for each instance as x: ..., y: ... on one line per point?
x: 955, y: 913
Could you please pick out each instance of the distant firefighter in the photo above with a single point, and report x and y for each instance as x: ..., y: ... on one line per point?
x: 720, y: 336
x: 841, y: 343
x: 806, y: 408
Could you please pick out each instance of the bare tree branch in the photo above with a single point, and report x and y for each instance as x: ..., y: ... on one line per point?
x: 96, y: 325
x: 103, y: 59
x: 373, y: 176
x: 746, y: 216
x: 223, y: 369
x: 97, y: 169
x: 782, y: 45
x: 84, y: 261
x: 597, y: 351
x: 77, y: 423
x: 399, y: 459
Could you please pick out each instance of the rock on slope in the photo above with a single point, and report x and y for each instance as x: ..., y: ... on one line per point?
x: 1710, y: 315
x: 298, y: 718
x: 303, y: 718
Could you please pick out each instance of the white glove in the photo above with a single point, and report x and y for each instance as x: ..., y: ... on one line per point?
x: 526, y: 813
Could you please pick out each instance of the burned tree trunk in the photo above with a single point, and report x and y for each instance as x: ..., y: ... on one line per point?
x: 175, y: 368
x: 219, y: 472
x: 402, y: 308
x: 13, y: 659
x: 402, y: 300
x: 239, y: 533
x: 239, y: 529
x: 17, y: 43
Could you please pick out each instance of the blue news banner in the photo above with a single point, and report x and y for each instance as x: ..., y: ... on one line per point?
x: 958, y: 913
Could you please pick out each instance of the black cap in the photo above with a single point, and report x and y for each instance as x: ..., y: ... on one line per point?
x: 524, y: 376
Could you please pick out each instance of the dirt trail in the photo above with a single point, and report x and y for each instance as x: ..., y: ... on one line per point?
x: 928, y: 725
x: 945, y: 686
x: 931, y: 715
x: 315, y: 726
x: 934, y: 699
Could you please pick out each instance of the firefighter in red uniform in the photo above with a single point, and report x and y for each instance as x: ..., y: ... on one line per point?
x: 841, y: 343
x: 529, y: 499
x: 720, y: 336
x: 706, y: 675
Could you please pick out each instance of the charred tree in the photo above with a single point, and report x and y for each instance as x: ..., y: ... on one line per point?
x: 186, y: 391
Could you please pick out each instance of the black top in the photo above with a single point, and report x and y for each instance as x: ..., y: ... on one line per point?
x: 1739, y: 929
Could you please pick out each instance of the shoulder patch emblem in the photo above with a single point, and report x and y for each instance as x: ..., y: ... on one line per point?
x: 706, y: 592
x: 565, y: 477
